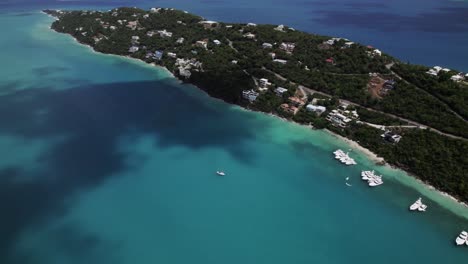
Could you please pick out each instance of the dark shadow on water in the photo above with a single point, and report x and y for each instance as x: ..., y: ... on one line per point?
x: 92, y: 119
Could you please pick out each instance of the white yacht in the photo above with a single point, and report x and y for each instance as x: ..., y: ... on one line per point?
x: 462, y: 238
x: 422, y: 208
x: 375, y: 182
x: 220, y: 173
x: 416, y: 205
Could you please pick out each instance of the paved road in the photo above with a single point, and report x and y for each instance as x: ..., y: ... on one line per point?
x: 411, y: 122
x: 390, y: 65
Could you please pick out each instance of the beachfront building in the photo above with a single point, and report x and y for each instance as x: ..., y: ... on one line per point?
x: 290, y: 109
x: 318, y: 109
x: 251, y: 24
x: 158, y: 55
x: 298, y: 102
x: 337, y: 119
x: 250, y: 95
x: 391, y: 137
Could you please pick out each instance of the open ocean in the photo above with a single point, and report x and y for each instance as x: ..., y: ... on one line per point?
x: 108, y: 160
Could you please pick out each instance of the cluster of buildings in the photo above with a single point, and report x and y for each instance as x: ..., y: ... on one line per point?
x: 293, y: 105
x: 341, y: 117
x: 287, y: 47
x: 250, y: 95
x: 186, y: 65
x: 459, y: 77
x: 434, y: 71
x: 134, y: 47
x: 374, y: 52
x: 157, y: 55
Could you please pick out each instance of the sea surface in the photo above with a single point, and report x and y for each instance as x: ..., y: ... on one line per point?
x: 106, y: 159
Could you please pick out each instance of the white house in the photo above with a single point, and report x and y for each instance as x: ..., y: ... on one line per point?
x: 251, y: 24
x: 163, y: 33
x: 391, y: 137
x: 338, y: 119
x: 279, y: 28
x: 377, y: 52
x: 267, y: 45
x: 280, y: 61
x: 202, y: 43
x: 316, y: 108
x: 172, y: 55
x: 180, y: 41
x: 249, y: 35
x: 264, y: 82
x: 280, y: 91
x: 287, y: 46
x: 457, y: 78
x: 133, y: 49
x: 217, y: 42
x: 250, y: 95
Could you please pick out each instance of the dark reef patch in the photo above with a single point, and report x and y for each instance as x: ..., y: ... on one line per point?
x: 92, y: 119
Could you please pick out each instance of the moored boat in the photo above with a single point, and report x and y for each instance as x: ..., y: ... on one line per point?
x: 462, y: 238
x: 220, y: 173
x: 422, y: 208
x: 415, y: 205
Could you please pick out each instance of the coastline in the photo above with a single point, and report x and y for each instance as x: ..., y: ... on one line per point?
x: 353, y: 144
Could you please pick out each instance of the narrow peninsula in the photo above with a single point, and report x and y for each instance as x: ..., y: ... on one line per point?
x: 413, y: 116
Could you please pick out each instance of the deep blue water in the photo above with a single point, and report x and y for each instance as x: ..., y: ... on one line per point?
x: 108, y: 160
x: 431, y: 32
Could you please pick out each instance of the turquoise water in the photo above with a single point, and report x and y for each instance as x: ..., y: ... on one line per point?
x: 109, y: 160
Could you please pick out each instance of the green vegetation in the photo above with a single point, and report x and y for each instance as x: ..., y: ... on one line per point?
x: 339, y: 70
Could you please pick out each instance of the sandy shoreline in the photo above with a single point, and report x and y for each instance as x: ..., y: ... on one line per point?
x: 353, y: 144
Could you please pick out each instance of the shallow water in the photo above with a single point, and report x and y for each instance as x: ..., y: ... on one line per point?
x: 108, y: 160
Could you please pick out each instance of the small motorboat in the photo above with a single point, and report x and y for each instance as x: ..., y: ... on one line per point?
x: 220, y: 173
x: 347, y: 184
x: 347, y: 178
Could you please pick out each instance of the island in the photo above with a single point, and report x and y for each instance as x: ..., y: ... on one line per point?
x: 413, y: 116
